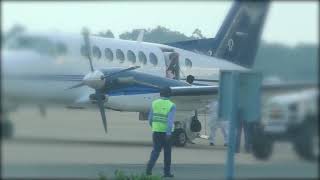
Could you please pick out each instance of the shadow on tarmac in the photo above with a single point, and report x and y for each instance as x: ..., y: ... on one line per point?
x: 117, y: 143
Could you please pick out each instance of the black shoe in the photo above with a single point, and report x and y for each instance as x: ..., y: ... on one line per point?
x: 148, y: 173
x: 211, y: 144
x: 225, y: 145
x: 168, y: 175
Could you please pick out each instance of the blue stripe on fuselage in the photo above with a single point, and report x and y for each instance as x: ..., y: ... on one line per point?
x: 132, y: 90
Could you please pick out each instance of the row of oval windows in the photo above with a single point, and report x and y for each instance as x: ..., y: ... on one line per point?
x: 130, y: 55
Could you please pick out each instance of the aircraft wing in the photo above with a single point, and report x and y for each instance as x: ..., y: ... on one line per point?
x: 197, y: 97
x: 187, y: 97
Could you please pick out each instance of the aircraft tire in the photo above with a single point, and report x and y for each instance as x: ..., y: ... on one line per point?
x: 262, y: 145
x: 306, y: 142
x: 179, y: 137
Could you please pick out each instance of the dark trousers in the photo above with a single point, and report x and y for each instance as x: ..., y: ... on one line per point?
x: 159, y: 142
x: 247, y: 131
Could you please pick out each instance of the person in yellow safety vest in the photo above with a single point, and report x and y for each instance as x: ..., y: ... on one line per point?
x: 161, y: 118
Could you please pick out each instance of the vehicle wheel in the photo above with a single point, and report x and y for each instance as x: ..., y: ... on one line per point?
x: 179, y: 137
x: 306, y: 142
x: 6, y: 129
x: 262, y: 145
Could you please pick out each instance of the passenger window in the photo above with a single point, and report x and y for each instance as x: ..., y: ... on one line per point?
x: 153, y: 59
x: 131, y: 57
x: 120, y: 55
x: 142, y: 58
x: 188, y: 63
x: 108, y: 54
x: 96, y: 52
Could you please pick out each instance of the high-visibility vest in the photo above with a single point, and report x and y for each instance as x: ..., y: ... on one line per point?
x: 161, y: 109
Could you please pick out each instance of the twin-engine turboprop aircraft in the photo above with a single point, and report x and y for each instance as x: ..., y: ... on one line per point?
x: 82, y: 71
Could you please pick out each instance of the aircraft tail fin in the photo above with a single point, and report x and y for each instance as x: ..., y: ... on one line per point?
x: 239, y: 36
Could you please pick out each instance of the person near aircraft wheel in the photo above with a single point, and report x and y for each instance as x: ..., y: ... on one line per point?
x: 247, y: 132
x: 214, y: 124
x: 161, y: 118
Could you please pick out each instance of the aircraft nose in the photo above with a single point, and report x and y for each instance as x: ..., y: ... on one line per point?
x: 15, y: 62
x: 9, y: 60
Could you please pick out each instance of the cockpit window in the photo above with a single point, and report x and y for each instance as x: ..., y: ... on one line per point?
x: 39, y: 44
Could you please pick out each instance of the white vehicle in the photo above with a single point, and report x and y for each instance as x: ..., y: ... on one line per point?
x: 68, y: 70
x: 292, y: 117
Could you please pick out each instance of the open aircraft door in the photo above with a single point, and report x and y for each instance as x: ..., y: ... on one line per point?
x: 172, y: 65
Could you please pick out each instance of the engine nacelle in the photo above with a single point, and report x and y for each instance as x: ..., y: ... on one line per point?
x: 93, y: 97
x: 94, y: 80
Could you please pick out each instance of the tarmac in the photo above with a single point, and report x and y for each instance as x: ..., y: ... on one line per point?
x: 72, y: 144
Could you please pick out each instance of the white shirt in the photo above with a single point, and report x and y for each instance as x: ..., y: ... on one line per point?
x: 213, y: 111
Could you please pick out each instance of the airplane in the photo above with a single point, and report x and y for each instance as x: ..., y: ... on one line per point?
x: 84, y: 71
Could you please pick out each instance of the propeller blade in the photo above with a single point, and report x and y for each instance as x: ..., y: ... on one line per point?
x: 76, y: 86
x: 85, y: 34
x: 121, y: 71
x: 102, y: 110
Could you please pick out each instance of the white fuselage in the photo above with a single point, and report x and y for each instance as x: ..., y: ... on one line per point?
x: 70, y: 65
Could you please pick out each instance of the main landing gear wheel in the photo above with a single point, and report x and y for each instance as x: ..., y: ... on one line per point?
x: 261, y: 145
x: 306, y: 142
x: 179, y: 137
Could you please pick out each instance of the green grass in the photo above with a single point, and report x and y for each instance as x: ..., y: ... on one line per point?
x: 120, y: 175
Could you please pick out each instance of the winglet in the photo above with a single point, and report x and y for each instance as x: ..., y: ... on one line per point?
x: 140, y: 36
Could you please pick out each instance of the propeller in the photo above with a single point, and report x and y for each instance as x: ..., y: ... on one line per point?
x: 96, y: 79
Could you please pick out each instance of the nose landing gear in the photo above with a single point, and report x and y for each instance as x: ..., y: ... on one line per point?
x: 179, y: 137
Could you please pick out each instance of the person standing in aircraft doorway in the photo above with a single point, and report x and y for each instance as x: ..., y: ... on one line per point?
x: 215, y: 123
x: 173, y: 69
x: 161, y: 118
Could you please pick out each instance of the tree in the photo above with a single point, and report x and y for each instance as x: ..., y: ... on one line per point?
x: 13, y: 31
x: 288, y: 63
x: 133, y: 35
x: 197, y: 34
x: 159, y: 34
x: 107, y: 34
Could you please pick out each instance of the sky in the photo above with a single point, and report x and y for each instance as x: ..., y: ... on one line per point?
x: 290, y: 23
